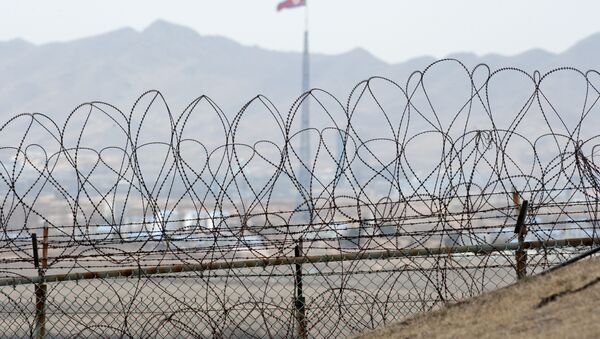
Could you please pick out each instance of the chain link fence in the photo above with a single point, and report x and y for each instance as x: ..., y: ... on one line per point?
x: 342, y: 294
x: 207, y: 224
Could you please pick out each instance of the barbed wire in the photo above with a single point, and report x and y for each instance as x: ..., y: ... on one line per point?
x: 393, y: 167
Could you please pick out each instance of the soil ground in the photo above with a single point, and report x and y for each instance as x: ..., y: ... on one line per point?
x: 562, y: 304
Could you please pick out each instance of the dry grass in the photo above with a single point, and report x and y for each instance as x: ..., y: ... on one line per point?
x: 571, y: 311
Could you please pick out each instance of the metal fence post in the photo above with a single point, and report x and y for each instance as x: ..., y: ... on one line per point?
x: 299, y: 301
x: 44, y: 250
x: 40, y: 288
x: 521, y: 252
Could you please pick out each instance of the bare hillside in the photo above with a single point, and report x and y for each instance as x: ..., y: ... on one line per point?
x: 563, y: 304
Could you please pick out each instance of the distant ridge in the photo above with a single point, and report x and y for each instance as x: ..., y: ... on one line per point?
x: 117, y: 66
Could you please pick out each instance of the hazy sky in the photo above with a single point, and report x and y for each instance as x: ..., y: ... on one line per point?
x: 393, y: 30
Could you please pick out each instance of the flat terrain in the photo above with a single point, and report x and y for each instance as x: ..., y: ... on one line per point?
x: 562, y: 304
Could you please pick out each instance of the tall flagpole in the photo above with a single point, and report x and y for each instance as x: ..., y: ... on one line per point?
x: 305, y: 117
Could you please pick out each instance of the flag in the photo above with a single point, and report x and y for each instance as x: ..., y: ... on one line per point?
x: 290, y: 4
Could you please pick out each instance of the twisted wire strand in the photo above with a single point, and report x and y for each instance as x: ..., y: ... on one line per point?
x: 392, y: 167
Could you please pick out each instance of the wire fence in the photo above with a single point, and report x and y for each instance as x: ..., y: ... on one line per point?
x: 402, y: 200
x: 257, y: 299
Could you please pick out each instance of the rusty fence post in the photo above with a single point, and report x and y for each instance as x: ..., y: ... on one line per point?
x: 40, y: 288
x: 521, y: 252
x: 45, y: 250
x: 299, y: 300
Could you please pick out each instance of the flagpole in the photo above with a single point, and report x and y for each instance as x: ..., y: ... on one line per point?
x: 306, y: 16
x: 305, y: 114
x: 305, y: 156
x: 305, y: 70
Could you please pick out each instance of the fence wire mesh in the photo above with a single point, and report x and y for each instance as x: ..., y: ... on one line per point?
x: 341, y: 298
x: 205, y: 225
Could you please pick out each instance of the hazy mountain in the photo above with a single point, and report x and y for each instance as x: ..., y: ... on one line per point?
x: 118, y: 66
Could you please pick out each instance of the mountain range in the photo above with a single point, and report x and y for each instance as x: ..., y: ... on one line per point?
x: 117, y: 67
x: 120, y: 65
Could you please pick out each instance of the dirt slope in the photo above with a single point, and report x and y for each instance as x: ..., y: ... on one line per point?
x: 562, y: 304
